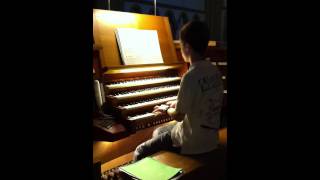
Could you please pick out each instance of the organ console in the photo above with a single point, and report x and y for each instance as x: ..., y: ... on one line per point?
x: 131, y: 91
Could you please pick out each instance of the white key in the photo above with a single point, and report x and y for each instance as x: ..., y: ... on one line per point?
x: 142, y: 82
x: 148, y: 91
x: 140, y: 116
x: 152, y: 102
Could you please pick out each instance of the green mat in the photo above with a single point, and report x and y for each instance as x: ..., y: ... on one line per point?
x: 150, y: 169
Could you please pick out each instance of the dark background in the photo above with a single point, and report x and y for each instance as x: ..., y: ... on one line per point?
x: 46, y: 97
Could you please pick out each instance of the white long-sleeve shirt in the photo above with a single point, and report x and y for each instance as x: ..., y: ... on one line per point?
x: 200, y: 99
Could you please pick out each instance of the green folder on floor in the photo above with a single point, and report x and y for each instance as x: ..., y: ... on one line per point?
x: 150, y: 169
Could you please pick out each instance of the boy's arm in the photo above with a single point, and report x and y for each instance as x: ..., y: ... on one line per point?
x: 175, y: 115
x: 182, y: 105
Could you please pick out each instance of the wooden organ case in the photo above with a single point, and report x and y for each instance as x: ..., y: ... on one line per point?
x: 131, y: 91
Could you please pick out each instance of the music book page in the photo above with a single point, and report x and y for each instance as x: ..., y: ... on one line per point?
x: 138, y: 46
x: 149, y: 168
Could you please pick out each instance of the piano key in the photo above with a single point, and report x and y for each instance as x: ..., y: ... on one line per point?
x: 142, y: 82
x: 149, y: 103
x: 140, y: 116
x: 148, y: 91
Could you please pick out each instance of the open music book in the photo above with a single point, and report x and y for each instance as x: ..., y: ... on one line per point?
x: 138, y: 46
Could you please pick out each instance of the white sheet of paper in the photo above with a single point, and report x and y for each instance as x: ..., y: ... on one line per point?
x: 138, y: 46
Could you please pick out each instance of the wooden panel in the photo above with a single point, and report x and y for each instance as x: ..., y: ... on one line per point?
x: 211, y: 45
x: 147, y: 68
x: 223, y: 136
x: 96, y: 64
x: 117, y: 162
x: 105, y: 21
x: 217, y: 54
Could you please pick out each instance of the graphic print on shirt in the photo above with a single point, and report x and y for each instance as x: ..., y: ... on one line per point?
x: 210, y: 119
x: 212, y: 103
x: 206, y: 83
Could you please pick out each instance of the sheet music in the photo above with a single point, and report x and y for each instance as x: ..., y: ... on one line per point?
x: 138, y: 46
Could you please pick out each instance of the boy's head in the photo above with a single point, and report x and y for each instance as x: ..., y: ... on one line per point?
x: 194, y: 38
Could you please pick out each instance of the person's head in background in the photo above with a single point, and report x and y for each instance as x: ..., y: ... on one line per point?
x: 194, y: 38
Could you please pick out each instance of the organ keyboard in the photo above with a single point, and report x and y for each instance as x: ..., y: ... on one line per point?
x: 142, y: 82
x: 132, y: 101
x: 151, y: 102
x: 144, y: 92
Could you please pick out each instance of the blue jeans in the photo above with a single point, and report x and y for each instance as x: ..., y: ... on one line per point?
x: 161, y: 140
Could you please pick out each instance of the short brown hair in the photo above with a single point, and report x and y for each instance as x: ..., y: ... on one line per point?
x: 196, y: 34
